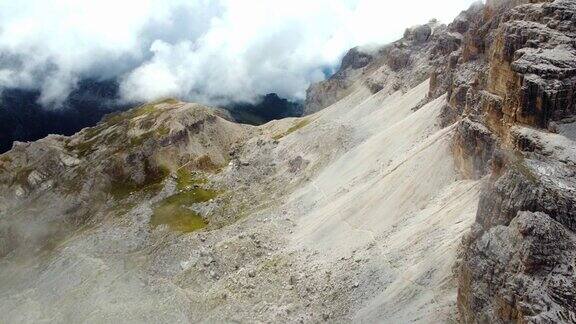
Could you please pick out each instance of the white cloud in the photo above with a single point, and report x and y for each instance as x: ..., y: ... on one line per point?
x: 207, y: 51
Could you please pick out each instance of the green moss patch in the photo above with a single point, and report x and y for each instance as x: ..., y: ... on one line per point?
x: 175, y: 211
x: 186, y: 180
x: 139, y: 140
x: 122, y: 117
x: 85, y: 148
x: 122, y: 188
x: 170, y: 101
x: 163, y: 131
x: 300, y: 124
x: 93, y: 132
x: 178, y: 218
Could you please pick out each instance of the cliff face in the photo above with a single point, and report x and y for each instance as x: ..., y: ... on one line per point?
x: 512, y: 92
x: 398, y: 66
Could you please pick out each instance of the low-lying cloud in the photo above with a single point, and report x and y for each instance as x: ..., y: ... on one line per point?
x: 212, y: 52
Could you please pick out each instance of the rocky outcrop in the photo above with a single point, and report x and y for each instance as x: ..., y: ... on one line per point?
x: 398, y: 66
x: 522, y: 272
x: 78, y: 180
x: 511, y: 80
x: 473, y: 148
x: 523, y: 57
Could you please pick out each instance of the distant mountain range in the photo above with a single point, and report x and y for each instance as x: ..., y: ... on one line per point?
x: 24, y: 119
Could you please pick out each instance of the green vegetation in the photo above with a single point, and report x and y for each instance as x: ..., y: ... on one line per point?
x: 163, y: 131
x: 300, y: 124
x: 122, y: 188
x: 205, y: 163
x: 186, y: 180
x: 114, y: 118
x: 141, y: 111
x: 177, y: 218
x: 92, y: 132
x: 123, y: 208
x: 139, y: 140
x: 84, y: 148
x: 121, y: 120
x: 170, y: 101
x: 175, y: 211
x: 120, y: 117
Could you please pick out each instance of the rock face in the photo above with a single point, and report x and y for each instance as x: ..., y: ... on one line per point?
x: 530, y: 266
x: 400, y: 65
x: 509, y: 83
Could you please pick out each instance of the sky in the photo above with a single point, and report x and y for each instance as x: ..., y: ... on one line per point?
x: 213, y: 52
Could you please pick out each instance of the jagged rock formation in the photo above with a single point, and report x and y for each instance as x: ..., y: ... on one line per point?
x: 397, y: 199
x: 400, y: 65
x: 510, y: 84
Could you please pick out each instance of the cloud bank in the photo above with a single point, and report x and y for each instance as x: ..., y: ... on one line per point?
x: 212, y: 52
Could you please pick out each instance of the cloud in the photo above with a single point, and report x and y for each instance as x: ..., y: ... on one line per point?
x: 207, y: 51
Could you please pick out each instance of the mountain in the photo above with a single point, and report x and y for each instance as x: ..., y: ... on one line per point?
x: 430, y: 180
x: 24, y: 119
x: 270, y: 107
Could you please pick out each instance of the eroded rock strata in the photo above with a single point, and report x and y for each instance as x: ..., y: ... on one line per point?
x: 511, y: 88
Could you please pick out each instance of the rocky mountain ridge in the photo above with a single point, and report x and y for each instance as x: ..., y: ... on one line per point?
x: 170, y: 212
x: 24, y: 119
x: 511, y: 87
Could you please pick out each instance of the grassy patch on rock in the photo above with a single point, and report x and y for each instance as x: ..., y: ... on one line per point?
x: 298, y: 125
x: 124, y: 187
x: 84, y: 148
x: 175, y: 211
x: 186, y: 180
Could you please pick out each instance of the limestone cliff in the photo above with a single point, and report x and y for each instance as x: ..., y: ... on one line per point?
x: 512, y: 91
